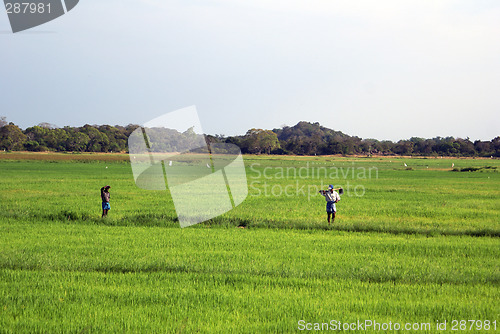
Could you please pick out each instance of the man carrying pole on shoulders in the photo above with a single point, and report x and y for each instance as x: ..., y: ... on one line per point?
x: 331, y: 197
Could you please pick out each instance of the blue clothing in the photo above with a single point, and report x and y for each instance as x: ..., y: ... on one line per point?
x: 330, y: 207
x: 106, y: 206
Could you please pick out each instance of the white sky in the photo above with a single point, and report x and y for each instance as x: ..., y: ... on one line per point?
x: 375, y: 69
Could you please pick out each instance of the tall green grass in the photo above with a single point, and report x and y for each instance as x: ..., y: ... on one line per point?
x: 430, y: 200
x: 429, y: 249
x: 72, y: 278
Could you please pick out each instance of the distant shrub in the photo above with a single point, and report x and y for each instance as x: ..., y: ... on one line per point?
x: 475, y: 169
x: 470, y: 169
x: 41, y: 148
x: 280, y: 151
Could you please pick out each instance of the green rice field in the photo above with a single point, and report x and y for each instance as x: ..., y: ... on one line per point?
x: 412, y: 245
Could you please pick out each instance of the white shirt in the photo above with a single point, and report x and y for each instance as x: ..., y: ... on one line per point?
x: 331, y: 196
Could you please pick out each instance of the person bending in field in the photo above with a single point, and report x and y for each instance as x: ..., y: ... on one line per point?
x: 105, y: 196
x: 331, y: 197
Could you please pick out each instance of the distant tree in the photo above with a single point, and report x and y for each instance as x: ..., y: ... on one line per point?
x: 465, y: 147
x: 404, y: 147
x: 259, y: 140
x: 446, y: 146
x: 32, y: 145
x: 117, y: 136
x: 3, y: 121
x: 98, y: 141
x: 12, y: 138
x: 236, y: 140
x: 334, y: 146
x: 422, y: 146
x: 385, y: 147
x: 77, y: 141
x: 495, y: 143
x: 483, y: 148
x: 311, y: 138
x: 47, y: 138
x: 57, y: 139
x: 367, y: 146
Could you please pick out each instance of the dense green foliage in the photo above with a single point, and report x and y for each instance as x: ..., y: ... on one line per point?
x: 313, y: 139
x: 429, y: 247
x: 46, y: 137
x: 302, y: 139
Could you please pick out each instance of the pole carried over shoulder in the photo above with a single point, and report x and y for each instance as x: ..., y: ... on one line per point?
x: 341, y: 190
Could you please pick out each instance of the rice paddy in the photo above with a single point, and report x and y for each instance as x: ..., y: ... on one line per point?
x: 410, y: 244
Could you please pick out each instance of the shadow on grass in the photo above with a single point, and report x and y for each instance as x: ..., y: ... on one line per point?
x: 277, y: 276
x: 419, y: 231
x: 171, y: 221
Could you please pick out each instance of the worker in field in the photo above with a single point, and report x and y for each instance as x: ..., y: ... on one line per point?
x: 331, y: 197
x: 105, y: 196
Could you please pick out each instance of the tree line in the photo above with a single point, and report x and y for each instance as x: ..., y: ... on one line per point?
x: 302, y: 139
x: 313, y: 139
x: 47, y: 137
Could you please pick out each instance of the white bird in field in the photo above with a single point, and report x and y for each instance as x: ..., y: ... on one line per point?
x: 208, y: 166
x: 452, y: 165
x: 106, y: 167
x: 406, y: 165
x: 170, y: 163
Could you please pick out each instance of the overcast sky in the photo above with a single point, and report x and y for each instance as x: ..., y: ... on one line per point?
x: 375, y: 69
